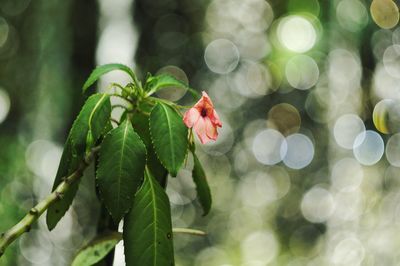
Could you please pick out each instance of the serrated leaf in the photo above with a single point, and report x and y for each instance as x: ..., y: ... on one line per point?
x: 101, y: 70
x: 169, y: 137
x: 99, y: 118
x: 202, y: 188
x: 68, y: 164
x: 140, y: 122
x: 147, y: 227
x: 94, y: 115
x: 120, y: 171
x: 96, y: 250
x: 156, y: 83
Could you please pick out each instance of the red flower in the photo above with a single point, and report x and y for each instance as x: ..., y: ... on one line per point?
x: 204, y: 119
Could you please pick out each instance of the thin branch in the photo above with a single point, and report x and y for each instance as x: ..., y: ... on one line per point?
x: 33, y: 215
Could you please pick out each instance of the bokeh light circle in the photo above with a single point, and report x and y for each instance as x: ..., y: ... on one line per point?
x: 269, y: 147
x: 221, y: 56
x: 4, y: 30
x: 368, y: 147
x: 385, y: 13
x: 42, y: 158
x: 386, y: 116
x: 352, y: 15
x: 227, y: 98
x: 347, y: 175
x: 212, y: 256
x: 346, y: 129
x: 261, y: 17
x: 36, y: 246
x: 173, y: 93
x: 391, y: 58
x: 317, y: 205
x: 260, y: 247
x: 285, y: 118
x: 297, y: 33
x: 302, y: 72
x: 5, y: 105
x: 316, y: 107
x: 252, y: 79
x: 300, y: 151
x: 393, y: 150
x: 257, y: 190
x: 385, y: 86
x: 349, y: 251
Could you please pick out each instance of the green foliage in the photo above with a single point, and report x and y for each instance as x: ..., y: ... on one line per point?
x: 96, y: 249
x: 140, y: 122
x: 202, y: 188
x: 169, y: 137
x: 120, y: 171
x: 101, y: 70
x: 94, y: 118
x: 156, y: 83
x: 99, y: 119
x: 91, y: 121
x: 147, y: 227
x: 69, y: 163
x: 149, y: 141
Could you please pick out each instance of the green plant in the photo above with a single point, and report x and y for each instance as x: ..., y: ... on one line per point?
x: 132, y: 160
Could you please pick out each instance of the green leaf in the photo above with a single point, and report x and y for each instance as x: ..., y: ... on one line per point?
x: 68, y: 164
x: 120, y: 171
x: 90, y: 124
x: 140, y: 122
x: 107, y: 129
x: 94, y: 117
x: 169, y: 137
x: 101, y: 70
x: 156, y: 83
x: 202, y: 188
x: 100, y: 116
x: 147, y: 227
x: 96, y: 250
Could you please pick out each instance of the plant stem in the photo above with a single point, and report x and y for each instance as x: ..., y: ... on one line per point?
x: 33, y: 215
x: 189, y: 231
x: 122, y: 97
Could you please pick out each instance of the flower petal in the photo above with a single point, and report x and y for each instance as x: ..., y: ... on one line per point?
x: 211, y: 129
x: 215, y: 119
x: 204, y: 103
x: 191, y: 116
x: 200, y: 129
x: 207, y: 99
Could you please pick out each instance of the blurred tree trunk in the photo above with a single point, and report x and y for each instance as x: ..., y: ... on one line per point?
x: 170, y: 34
x: 49, y: 52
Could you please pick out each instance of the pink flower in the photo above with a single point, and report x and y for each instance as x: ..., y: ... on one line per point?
x: 204, y: 119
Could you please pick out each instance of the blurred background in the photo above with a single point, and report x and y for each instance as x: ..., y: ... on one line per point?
x: 306, y: 168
